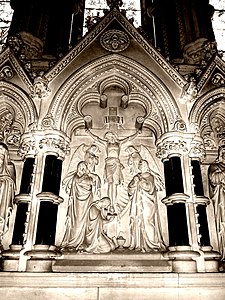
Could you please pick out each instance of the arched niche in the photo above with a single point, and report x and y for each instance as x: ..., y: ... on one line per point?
x: 138, y: 85
x: 17, y: 112
x: 208, y: 116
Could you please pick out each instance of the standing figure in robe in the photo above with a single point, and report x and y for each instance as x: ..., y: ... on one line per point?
x: 7, y: 188
x: 82, y: 187
x: 113, y: 168
x: 145, y: 226
x: 216, y: 175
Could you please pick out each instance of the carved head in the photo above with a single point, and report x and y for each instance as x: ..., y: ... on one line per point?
x: 82, y: 168
x: 143, y: 166
x: 111, y: 137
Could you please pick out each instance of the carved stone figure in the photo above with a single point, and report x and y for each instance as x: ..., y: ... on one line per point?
x: 100, y: 212
x: 145, y: 227
x: 217, y: 192
x: 113, y: 168
x: 7, y: 188
x: 133, y: 159
x: 81, y: 186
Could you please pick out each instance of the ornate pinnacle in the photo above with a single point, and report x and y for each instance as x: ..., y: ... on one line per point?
x: 114, y: 3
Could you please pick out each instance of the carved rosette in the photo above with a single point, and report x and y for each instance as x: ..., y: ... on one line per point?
x: 115, y: 40
x: 48, y: 122
x: 180, y: 125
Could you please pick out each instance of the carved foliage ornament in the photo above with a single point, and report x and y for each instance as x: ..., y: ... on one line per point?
x: 115, y: 40
x: 6, y: 72
x: 9, y: 133
x: 197, y: 150
x: 171, y: 147
x: 218, y: 79
x: 55, y: 144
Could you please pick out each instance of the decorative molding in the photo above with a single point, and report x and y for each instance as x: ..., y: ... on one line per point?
x: 115, y: 14
x: 171, y: 143
x: 53, y: 141
x: 25, y: 110
x: 15, y: 65
x: 204, y: 103
x: 27, y: 147
x: 55, y: 144
x: 197, y: 150
x: 217, y: 62
x: 119, y: 67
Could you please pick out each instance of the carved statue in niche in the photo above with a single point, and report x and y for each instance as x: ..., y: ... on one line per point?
x: 113, y: 168
x: 216, y: 175
x: 86, y: 216
x: 9, y: 132
x: 7, y: 188
x: 145, y: 225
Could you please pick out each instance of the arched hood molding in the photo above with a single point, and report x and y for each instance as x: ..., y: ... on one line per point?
x: 88, y: 83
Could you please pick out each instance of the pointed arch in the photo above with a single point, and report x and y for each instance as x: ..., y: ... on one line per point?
x: 16, y: 100
x: 143, y: 86
x: 207, y: 115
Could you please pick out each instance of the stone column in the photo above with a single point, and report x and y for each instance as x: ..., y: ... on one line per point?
x: 197, y: 154
x: 35, y: 225
x: 173, y: 149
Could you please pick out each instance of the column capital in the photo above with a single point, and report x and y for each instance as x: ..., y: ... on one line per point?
x: 53, y: 142
x: 171, y: 144
x: 177, y: 143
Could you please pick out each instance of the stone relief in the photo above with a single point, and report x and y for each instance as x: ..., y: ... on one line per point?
x: 9, y: 131
x: 145, y: 227
x: 7, y: 188
x: 216, y: 175
x: 112, y: 197
x: 113, y: 167
x: 85, y: 216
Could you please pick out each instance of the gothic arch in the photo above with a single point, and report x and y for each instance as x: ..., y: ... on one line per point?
x: 17, y: 101
x: 138, y: 84
x: 203, y: 114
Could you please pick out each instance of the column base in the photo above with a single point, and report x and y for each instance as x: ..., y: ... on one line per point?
x: 211, y: 259
x: 10, y: 258
x: 41, y: 258
x: 183, y: 259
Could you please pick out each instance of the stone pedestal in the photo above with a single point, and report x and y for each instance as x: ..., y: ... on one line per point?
x: 183, y: 259
x: 10, y: 258
x: 118, y: 261
x: 41, y: 258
